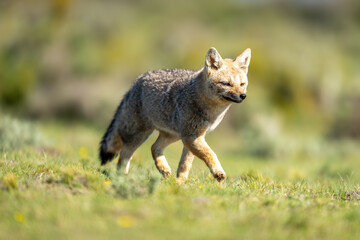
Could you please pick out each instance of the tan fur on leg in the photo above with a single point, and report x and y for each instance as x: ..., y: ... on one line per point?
x: 157, y: 149
x: 201, y: 149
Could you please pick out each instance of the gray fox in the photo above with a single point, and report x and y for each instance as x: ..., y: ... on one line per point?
x: 182, y: 105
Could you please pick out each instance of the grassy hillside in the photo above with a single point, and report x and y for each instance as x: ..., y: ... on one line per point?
x: 54, y: 188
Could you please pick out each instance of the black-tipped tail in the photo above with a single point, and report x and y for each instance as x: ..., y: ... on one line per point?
x: 111, y: 142
x: 105, y: 156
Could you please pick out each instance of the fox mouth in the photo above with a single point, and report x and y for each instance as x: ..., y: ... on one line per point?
x: 236, y: 100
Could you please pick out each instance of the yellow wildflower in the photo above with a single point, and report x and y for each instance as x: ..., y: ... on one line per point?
x: 83, y: 152
x: 125, y: 221
x: 19, y: 217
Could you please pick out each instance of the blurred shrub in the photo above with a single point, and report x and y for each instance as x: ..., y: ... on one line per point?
x: 257, y: 144
x: 140, y: 182
x: 15, y: 134
x: 76, y: 59
x: 346, y: 123
x: 264, y: 137
x: 9, y: 181
x: 17, y: 76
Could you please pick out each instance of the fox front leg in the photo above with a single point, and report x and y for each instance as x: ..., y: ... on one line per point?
x: 199, y: 147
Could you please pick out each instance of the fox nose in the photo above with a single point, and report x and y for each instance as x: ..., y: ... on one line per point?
x: 242, y: 96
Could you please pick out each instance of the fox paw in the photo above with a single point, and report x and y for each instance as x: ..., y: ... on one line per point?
x: 219, y: 176
x: 164, y: 169
x: 166, y: 173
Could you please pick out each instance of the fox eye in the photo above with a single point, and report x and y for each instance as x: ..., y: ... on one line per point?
x: 226, y: 84
x: 242, y: 84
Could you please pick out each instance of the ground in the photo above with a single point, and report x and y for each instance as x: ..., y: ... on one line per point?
x: 56, y: 189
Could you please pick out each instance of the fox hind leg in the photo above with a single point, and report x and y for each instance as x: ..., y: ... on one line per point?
x: 125, y: 158
x: 157, y: 150
x: 129, y: 147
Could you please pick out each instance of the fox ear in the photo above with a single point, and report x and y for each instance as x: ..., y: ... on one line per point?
x: 213, y: 59
x: 243, y: 60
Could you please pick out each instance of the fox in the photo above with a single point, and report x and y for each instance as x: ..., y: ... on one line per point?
x: 180, y: 104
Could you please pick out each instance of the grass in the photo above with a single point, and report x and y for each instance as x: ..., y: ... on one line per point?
x: 54, y: 188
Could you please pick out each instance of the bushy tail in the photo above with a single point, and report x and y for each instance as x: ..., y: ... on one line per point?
x: 111, y: 142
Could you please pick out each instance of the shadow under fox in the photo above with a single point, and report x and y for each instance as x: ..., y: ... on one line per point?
x: 182, y: 105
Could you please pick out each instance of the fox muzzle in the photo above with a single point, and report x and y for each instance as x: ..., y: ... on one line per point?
x: 236, y: 98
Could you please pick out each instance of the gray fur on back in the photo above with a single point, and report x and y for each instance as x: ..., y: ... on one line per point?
x: 168, y: 100
x: 165, y: 93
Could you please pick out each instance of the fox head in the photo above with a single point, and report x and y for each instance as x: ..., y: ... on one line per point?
x: 226, y: 79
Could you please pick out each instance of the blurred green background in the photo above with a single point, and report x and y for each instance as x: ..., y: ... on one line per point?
x: 291, y: 150
x: 73, y: 60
